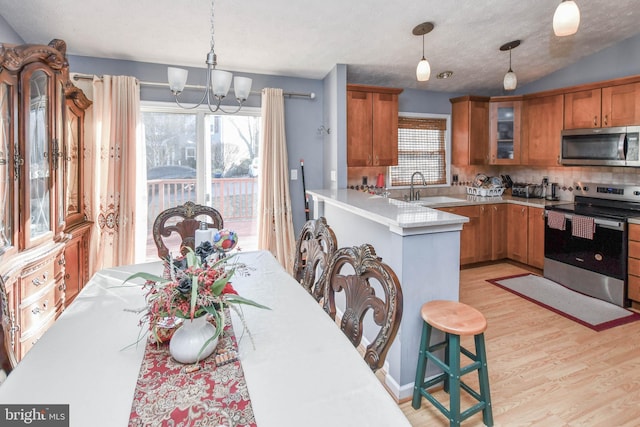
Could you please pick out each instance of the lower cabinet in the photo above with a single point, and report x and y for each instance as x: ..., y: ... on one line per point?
x: 498, y: 231
x: 535, y: 240
x: 633, y: 291
x: 517, y: 217
x: 483, y: 237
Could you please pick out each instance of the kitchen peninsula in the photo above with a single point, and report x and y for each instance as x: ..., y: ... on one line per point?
x: 422, y: 245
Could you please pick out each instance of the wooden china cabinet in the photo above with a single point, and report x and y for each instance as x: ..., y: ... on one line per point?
x: 43, y: 229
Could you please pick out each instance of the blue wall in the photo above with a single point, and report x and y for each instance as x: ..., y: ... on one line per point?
x: 619, y: 60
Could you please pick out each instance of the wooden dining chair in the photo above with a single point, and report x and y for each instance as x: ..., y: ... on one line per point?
x: 7, y: 354
x: 177, y: 226
x: 314, y: 247
x: 367, y: 284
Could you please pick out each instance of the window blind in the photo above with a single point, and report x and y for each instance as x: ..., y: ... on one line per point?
x: 421, y: 147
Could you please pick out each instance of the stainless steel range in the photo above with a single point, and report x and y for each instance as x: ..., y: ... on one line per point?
x: 585, y: 243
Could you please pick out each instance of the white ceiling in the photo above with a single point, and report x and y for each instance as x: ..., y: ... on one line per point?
x: 306, y: 38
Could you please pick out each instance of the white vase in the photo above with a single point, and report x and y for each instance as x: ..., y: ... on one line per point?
x: 187, y: 344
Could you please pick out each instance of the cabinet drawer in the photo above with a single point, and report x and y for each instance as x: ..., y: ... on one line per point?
x: 36, y: 313
x: 27, y: 342
x: 36, y: 279
x: 634, y: 249
x: 634, y: 266
x: 633, y: 291
x: 634, y: 232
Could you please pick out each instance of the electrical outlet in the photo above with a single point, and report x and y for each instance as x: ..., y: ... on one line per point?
x: 455, y: 178
x: 294, y: 174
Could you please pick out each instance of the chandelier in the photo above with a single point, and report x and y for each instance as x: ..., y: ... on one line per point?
x: 218, y: 82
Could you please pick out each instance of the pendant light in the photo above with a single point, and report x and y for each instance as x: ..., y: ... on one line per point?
x: 423, y: 71
x: 218, y: 81
x: 566, y: 19
x: 510, y: 80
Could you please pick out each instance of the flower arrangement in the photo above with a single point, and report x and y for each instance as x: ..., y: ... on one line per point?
x: 193, y: 286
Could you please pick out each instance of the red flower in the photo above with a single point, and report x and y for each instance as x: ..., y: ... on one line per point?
x: 228, y: 289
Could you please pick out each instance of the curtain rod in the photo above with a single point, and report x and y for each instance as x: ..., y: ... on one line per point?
x: 311, y: 95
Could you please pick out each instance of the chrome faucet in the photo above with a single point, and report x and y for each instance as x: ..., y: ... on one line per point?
x: 416, y: 195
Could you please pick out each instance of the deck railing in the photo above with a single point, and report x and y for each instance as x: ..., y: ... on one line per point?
x: 235, y: 198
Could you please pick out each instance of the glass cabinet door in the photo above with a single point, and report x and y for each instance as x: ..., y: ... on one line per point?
x: 505, y: 132
x: 72, y: 163
x: 6, y: 196
x: 37, y: 156
x: 57, y: 156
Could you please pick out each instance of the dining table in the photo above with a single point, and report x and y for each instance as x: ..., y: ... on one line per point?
x: 299, y: 367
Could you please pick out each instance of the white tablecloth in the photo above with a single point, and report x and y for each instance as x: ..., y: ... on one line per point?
x: 302, y: 372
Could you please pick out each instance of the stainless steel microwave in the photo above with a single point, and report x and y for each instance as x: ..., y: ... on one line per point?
x: 616, y: 146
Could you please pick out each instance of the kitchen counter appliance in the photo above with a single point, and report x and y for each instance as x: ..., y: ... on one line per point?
x: 528, y: 191
x: 590, y: 254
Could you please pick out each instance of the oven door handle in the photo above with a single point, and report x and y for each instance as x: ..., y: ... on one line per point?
x: 601, y: 222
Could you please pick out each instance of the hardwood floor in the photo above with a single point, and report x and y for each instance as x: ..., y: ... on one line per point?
x: 544, y: 369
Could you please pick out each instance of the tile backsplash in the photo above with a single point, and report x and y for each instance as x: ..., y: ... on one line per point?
x: 566, y: 177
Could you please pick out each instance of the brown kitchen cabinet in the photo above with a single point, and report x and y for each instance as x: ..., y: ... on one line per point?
x: 614, y: 105
x: 483, y: 237
x: 504, y: 131
x: 517, y: 218
x: 469, y: 130
x: 541, y: 128
x: 499, y: 221
x: 372, y: 126
x: 535, y: 238
x: 633, y: 291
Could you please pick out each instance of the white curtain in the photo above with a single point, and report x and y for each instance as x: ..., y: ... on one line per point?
x: 275, y: 223
x: 116, y: 186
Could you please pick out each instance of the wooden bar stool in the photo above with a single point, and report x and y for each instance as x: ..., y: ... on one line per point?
x: 455, y: 319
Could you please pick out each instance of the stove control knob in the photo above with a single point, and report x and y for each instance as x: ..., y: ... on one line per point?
x: 636, y: 193
x: 585, y: 188
x: 578, y: 188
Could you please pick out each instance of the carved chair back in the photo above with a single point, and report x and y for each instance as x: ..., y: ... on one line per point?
x: 314, y: 247
x: 184, y: 221
x: 367, y: 284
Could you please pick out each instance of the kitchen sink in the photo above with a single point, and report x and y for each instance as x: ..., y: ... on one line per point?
x: 436, y: 200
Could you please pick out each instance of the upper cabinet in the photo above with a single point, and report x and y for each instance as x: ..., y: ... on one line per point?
x: 372, y: 126
x: 470, y: 130
x: 615, y: 105
x: 541, y: 128
x: 504, y: 131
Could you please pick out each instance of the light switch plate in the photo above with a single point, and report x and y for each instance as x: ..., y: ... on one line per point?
x: 294, y: 174
x: 333, y: 176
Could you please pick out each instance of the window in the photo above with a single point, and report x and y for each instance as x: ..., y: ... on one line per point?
x: 205, y: 158
x: 423, y: 143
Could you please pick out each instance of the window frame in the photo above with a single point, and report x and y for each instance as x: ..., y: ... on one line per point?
x: 203, y: 193
x: 447, y: 148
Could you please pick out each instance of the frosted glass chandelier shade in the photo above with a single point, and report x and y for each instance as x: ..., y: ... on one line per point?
x: 221, y: 82
x: 177, y: 79
x: 242, y: 87
x: 566, y: 19
x: 510, y: 80
x: 423, y: 71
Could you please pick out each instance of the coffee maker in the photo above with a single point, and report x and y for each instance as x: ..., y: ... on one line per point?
x: 552, y: 192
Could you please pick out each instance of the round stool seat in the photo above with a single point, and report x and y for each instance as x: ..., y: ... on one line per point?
x: 453, y: 317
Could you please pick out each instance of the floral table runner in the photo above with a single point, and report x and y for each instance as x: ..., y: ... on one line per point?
x: 169, y: 393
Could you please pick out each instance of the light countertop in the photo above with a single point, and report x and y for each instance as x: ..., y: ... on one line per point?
x: 390, y: 212
x: 401, y: 214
